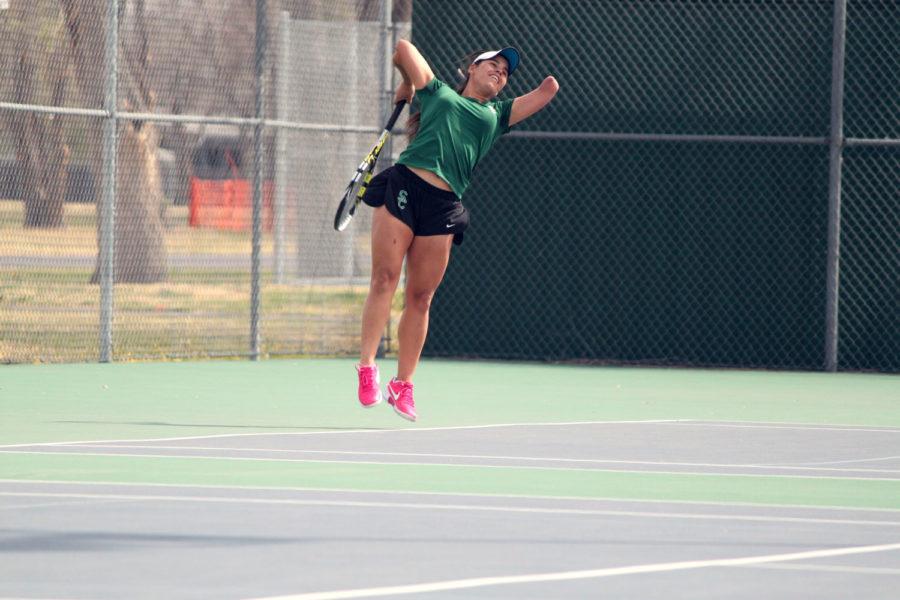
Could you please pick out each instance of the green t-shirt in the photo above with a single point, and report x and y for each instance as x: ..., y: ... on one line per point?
x: 455, y: 132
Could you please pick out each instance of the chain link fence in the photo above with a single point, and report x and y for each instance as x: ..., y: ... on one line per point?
x: 683, y: 199
x: 231, y: 129
x: 169, y: 171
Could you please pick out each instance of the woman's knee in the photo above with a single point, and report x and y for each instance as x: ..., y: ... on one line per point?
x: 384, y: 280
x: 419, y: 300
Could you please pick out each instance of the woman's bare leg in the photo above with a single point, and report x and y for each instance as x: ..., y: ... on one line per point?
x: 426, y: 263
x: 391, y: 238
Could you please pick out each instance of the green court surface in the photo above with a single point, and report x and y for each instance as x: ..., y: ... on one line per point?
x: 46, y: 404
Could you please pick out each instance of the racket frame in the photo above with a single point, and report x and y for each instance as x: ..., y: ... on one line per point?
x: 364, y: 172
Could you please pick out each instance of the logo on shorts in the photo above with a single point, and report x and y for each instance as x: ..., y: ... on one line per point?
x: 401, y: 200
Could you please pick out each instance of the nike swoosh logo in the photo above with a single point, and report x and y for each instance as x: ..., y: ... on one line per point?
x: 449, y: 225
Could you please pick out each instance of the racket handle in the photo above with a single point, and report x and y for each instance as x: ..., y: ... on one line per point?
x: 395, y: 115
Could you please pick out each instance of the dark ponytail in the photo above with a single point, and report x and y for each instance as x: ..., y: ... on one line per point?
x: 412, y: 123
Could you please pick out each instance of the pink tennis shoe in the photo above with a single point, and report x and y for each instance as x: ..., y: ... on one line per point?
x: 369, y: 391
x: 400, y: 396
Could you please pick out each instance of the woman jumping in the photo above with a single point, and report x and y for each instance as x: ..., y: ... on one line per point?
x: 418, y: 213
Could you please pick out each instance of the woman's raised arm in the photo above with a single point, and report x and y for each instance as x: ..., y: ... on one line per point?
x: 526, y: 105
x: 412, y: 65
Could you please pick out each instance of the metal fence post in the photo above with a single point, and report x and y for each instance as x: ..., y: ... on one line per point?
x: 281, y: 166
x: 106, y: 266
x: 387, y: 41
x: 259, y: 69
x: 835, y: 158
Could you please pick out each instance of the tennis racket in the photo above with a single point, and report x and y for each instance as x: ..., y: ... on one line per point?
x: 354, y: 192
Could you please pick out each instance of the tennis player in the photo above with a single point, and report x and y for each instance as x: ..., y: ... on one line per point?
x: 418, y: 210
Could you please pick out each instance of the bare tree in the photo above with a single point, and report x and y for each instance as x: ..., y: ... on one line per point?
x: 139, y: 248
x: 39, y: 77
x: 208, y: 69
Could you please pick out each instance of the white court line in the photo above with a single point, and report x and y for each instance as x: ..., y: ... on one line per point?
x: 456, y: 584
x: 847, y: 462
x: 346, y: 431
x: 440, y: 507
x: 73, y: 502
x: 31, y: 598
x: 256, y: 488
x: 752, y: 425
x: 433, y: 464
x: 795, y: 426
x: 829, y: 569
x: 597, y: 461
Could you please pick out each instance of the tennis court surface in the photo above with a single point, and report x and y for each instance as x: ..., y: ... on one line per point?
x: 240, y: 480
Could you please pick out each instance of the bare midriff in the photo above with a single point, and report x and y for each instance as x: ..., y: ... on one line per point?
x: 431, y: 178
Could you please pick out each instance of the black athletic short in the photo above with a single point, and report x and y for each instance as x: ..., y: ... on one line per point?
x: 426, y: 209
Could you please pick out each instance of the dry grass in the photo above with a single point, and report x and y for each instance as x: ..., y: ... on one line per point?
x: 78, y: 237
x: 50, y: 312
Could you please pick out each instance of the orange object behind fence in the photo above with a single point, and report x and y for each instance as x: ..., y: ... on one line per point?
x: 220, y: 197
x: 227, y: 204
